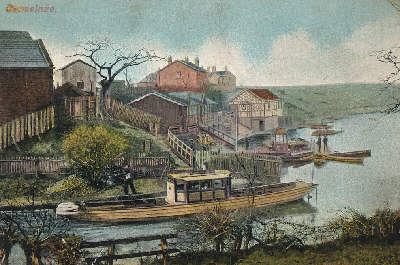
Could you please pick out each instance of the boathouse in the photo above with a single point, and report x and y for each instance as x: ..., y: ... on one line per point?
x: 196, y: 187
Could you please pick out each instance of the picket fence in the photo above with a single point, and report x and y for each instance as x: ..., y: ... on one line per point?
x: 25, y: 126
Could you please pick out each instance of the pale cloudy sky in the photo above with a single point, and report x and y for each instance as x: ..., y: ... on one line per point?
x: 263, y: 42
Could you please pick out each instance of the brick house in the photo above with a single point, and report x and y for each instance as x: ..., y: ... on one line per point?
x: 150, y: 81
x: 222, y: 80
x: 78, y: 73
x: 182, y: 75
x: 177, y: 109
x: 26, y: 75
x: 258, y: 110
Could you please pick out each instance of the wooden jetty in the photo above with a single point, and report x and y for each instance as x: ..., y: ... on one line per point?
x: 193, y: 193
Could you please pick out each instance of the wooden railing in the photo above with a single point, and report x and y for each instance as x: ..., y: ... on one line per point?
x: 25, y: 126
x: 265, y: 165
x: 147, y: 166
x: 180, y: 148
x: 219, y: 134
x: 111, y: 244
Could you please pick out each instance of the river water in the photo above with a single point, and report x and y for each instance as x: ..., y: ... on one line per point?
x: 367, y: 187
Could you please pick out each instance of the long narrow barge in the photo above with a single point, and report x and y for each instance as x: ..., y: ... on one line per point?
x: 193, y: 193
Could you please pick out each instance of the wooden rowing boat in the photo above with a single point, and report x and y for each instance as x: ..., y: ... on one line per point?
x: 264, y: 196
x: 320, y: 156
x: 361, y: 153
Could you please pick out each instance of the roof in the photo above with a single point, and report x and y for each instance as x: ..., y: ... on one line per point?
x: 150, y: 78
x: 70, y: 90
x: 221, y: 73
x: 188, y: 64
x: 187, y: 176
x: 73, y: 62
x: 263, y: 93
x: 179, y: 98
x: 280, y: 131
x: 14, y: 35
x: 323, y: 132
x: 192, y: 65
x: 191, y: 98
x: 24, y: 54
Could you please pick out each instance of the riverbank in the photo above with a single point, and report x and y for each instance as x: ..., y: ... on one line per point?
x: 332, y: 253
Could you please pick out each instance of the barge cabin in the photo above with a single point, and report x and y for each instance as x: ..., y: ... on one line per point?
x: 198, y: 186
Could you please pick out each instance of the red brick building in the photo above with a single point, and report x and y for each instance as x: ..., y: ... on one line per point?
x: 26, y: 75
x: 181, y: 76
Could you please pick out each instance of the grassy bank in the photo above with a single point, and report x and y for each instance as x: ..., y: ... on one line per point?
x: 351, y: 253
x: 49, y: 144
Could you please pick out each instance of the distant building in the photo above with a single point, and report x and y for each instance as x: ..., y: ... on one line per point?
x: 182, y: 75
x: 222, y: 80
x: 258, y: 110
x: 78, y: 73
x: 176, y: 109
x: 26, y: 75
x: 150, y: 81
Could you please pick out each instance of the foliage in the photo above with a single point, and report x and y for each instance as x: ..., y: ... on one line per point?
x: 89, y: 149
x: 71, y: 187
x: 66, y: 249
x: 216, y: 226
x: 351, y: 224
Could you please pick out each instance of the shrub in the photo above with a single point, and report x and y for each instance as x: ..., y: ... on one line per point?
x: 71, y: 186
x: 89, y: 149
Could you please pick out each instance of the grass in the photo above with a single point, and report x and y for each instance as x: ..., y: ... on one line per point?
x: 331, y: 253
x: 11, y: 187
x: 49, y: 144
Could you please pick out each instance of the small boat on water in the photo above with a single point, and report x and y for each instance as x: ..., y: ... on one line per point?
x: 361, y: 153
x: 192, y: 193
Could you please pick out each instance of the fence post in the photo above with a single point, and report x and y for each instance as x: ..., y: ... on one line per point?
x: 110, y: 252
x: 164, y: 249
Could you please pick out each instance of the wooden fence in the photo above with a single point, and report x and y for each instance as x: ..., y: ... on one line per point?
x: 83, y: 107
x: 25, y: 126
x: 133, y: 116
x: 264, y: 165
x: 145, y: 166
x: 181, y: 149
x: 111, y: 244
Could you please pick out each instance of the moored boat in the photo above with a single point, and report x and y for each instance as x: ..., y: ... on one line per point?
x: 193, y: 193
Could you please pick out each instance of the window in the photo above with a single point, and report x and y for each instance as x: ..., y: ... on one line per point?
x: 205, y: 185
x: 193, y: 186
x: 180, y: 186
x: 80, y: 85
x: 218, y: 184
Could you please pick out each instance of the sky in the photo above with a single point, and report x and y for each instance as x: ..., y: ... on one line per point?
x: 263, y: 42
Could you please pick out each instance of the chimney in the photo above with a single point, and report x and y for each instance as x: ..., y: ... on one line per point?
x: 208, y: 68
x: 226, y: 68
x: 186, y: 59
x: 214, y: 68
x: 169, y: 59
x: 197, y: 61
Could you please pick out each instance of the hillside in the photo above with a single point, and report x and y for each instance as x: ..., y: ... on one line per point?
x: 310, y: 104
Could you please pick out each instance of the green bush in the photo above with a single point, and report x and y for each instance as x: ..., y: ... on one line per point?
x: 89, y: 149
x: 73, y: 186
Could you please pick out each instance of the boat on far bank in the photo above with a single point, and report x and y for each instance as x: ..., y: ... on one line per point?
x: 191, y: 193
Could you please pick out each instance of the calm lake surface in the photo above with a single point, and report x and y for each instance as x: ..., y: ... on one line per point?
x: 367, y: 187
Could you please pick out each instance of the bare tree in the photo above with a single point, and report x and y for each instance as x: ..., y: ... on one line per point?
x: 110, y: 60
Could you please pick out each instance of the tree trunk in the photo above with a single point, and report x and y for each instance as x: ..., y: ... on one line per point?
x: 31, y: 254
x: 5, y: 253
